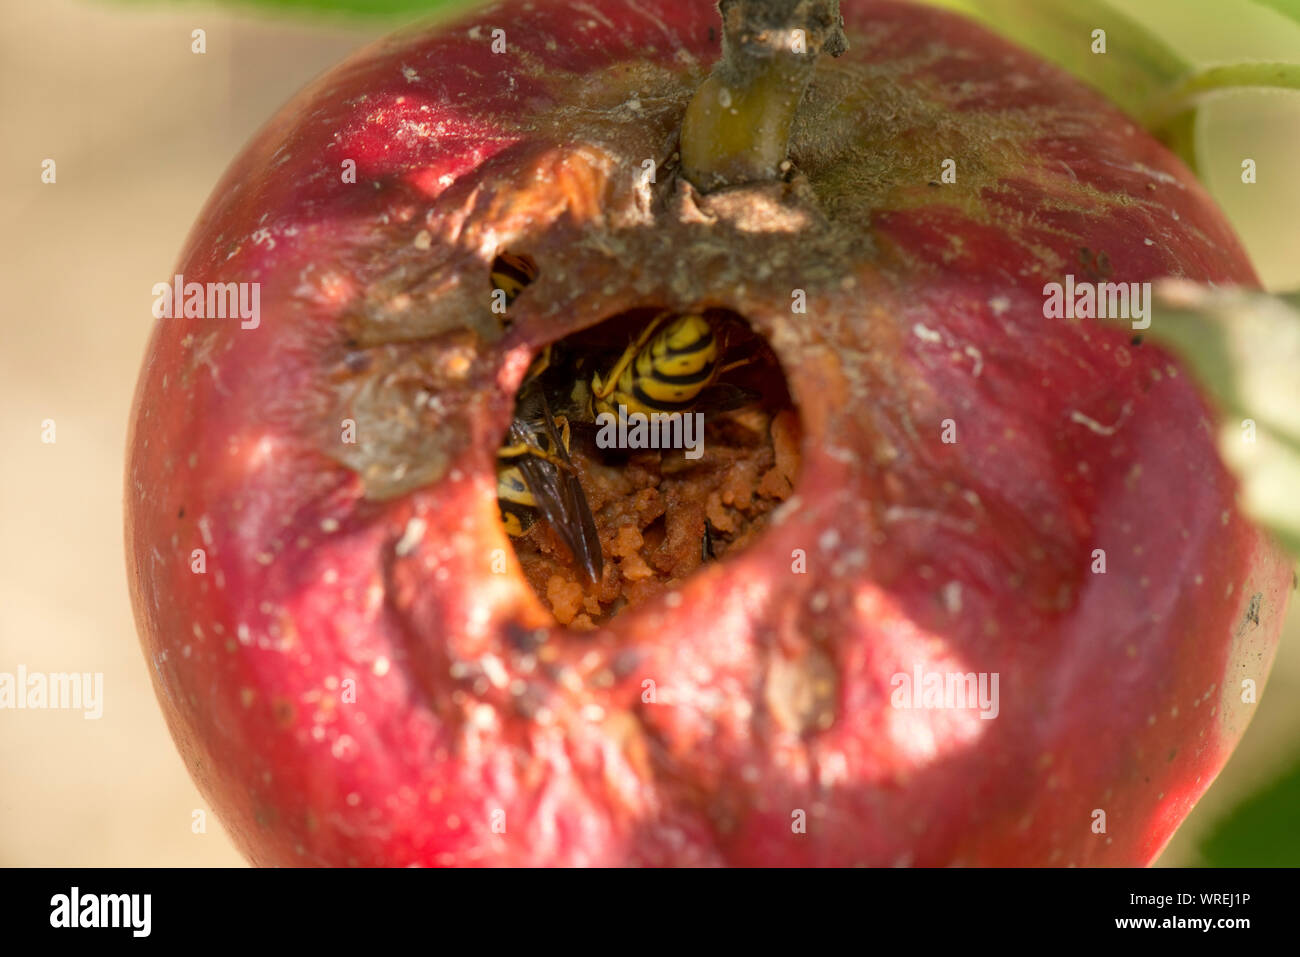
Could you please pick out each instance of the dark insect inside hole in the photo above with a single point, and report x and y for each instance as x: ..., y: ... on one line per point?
x: 670, y: 367
x: 536, y: 476
x: 638, y: 364
x: 511, y: 272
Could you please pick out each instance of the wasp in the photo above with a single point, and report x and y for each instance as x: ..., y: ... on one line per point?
x: 511, y: 273
x: 672, y: 366
x: 536, y: 477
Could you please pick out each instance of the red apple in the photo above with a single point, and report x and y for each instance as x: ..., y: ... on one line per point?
x: 311, y: 522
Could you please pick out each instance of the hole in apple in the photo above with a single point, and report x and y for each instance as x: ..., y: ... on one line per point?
x: 510, y: 274
x: 705, y: 447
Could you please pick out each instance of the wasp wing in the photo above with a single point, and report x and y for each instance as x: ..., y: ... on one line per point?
x: 561, y: 500
x: 725, y: 397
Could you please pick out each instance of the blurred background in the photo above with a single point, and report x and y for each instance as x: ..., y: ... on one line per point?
x: 141, y: 128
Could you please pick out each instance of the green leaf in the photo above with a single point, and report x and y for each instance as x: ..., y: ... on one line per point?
x: 1244, y: 348
x: 1170, y: 108
x: 1136, y: 67
x: 1261, y: 831
x: 1163, y: 57
x: 1289, y: 8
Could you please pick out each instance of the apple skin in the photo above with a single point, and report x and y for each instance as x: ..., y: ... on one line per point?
x: 349, y: 681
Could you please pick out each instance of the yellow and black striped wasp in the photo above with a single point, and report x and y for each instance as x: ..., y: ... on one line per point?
x: 510, y: 273
x: 536, y: 477
x: 672, y: 366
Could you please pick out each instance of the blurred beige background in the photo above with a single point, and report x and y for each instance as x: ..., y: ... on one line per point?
x: 141, y: 128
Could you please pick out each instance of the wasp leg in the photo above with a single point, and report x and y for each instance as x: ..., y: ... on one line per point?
x: 528, y: 448
x: 562, y: 421
x: 603, y: 389
x: 733, y: 365
x: 540, y: 364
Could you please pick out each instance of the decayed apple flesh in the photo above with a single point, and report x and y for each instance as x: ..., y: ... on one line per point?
x: 661, y: 513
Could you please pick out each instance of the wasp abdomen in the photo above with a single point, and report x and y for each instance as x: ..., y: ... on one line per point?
x: 511, y: 273
x: 516, y: 502
x: 668, y: 373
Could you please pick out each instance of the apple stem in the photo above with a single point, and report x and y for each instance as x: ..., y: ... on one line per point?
x: 737, y: 126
